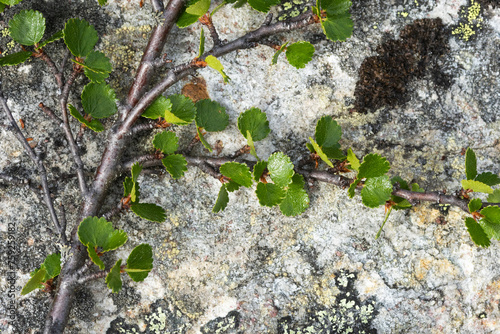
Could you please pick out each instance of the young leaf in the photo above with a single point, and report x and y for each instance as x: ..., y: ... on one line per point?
x: 203, y: 140
x: 35, y: 281
x: 475, y: 205
x: 280, y: 169
x: 491, y: 221
x: 320, y: 152
x: 353, y: 160
x: 113, y: 279
x: 373, y: 165
x: 52, y: 265
x: 158, y: 108
x: 477, y: 186
x: 352, y: 188
x: 232, y: 186
x: 128, y: 184
x: 494, y: 197
x: 470, y: 164
x: 183, y: 110
x: 140, y: 262
x: 328, y: 132
x: 335, y: 7
x: 175, y: 164
x: 254, y: 121
x: 15, y: 58
x: 94, y: 257
x: 211, y: 116
x: 57, y: 36
x: 93, y: 125
x: 97, y: 232
x: 334, y: 152
x: 416, y: 187
x: 488, y: 178
x: 149, y: 211
x: 135, y: 171
x: 166, y: 141
x: 11, y: 2
x: 477, y: 233
x: 258, y: 169
x: 299, y: 54
x: 80, y: 37
x: 239, y: 173
x: 339, y: 28
x: 27, y: 27
x: 202, y: 43
x: 216, y: 65
x: 134, y: 190
x: 222, y: 200
x: 102, y: 2
x: 269, y: 194
x: 99, y: 100
x: 296, y: 200
x: 376, y: 191
x: 194, y: 10
x: 277, y: 54
x: 263, y: 5
x: 252, y: 146
x: 97, y: 66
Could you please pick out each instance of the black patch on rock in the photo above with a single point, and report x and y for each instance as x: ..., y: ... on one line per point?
x: 223, y: 325
x: 383, y: 79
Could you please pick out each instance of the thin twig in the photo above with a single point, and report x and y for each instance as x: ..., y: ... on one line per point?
x: 65, y: 59
x: 51, y: 114
x: 52, y: 67
x: 207, y: 21
x: 91, y: 277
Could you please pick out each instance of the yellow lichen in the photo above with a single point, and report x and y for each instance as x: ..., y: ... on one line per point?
x: 466, y: 30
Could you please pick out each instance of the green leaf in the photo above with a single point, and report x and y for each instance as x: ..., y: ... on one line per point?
x: 134, y: 190
x: 158, y: 108
x: 254, y: 121
x: 335, y: 7
x: 296, y: 200
x: 15, y: 58
x: 222, y: 200
x: 353, y: 160
x: 299, y: 54
x: 402, y: 183
x: 11, y: 2
x: 477, y: 233
x: 97, y: 66
x: 175, y: 165
x: 328, y: 132
x: 232, y: 186
x: 383, y: 223
x: 186, y: 19
x: 35, y: 281
x: 401, y: 203
x: 269, y: 194
x: 52, y: 265
x: 320, y: 152
x: 216, y: 65
x: 27, y: 27
x: 470, y: 164
x: 277, y: 54
x: 376, y: 191
x: 183, y: 110
x: 416, y: 187
x: 202, y: 43
x: 140, y: 262
x: 102, y: 2
x: 334, y: 152
x: 352, y: 188
x: 97, y: 232
x: 252, y: 145
x: 239, y: 173
x: 166, y: 141
x: 94, y: 257
x: 373, y: 165
x: 310, y: 147
x: 258, y: 169
x: 477, y: 186
x: 280, y: 169
x: 491, y: 221
x: 339, y: 28
x: 211, y: 116
x: 263, y: 5
x: 203, y: 140
x: 57, y: 36
x: 488, y: 178
x: 93, y: 125
x: 474, y: 205
x: 99, y: 100
x: 2, y: 6
x: 128, y: 184
x: 113, y: 279
x: 494, y: 197
x: 149, y: 211
x: 80, y: 37
x: 135, y: 171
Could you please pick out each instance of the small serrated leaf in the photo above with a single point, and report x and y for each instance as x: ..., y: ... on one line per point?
x: 211, y: 116
x: 52, y: 265
x: 158, y: 108
x: 416, y: 187
x: 376, y: 191
x: 475, y: 204
x: 296, y: 200
x: 113, y: 279
x: 353, y: 160
x: 339, y: 28
x: 280, y: 169
x: 328, y: 132
x: 34, y: 282
x: 97, y: 66
x: 183, y: 110
x: 175, y: 164
x: 222, y: 200
x: 203, y: 140
x: 232, y: 186
x: 258, y: 169
x: 93, y: 125
x: 15, y: 58
x: 373, y: 165
x: 494, y: 197
x: 352, y: 188
x: 11, y: 2
x: 491, y: 221
x: 320, y: 152
x: 140, y: 262
x: 255, y: 121
x: 128, y: 184
x: 166, y: 141
x: 216, y: 65
x: 477, y: 233
x: 98, y: 232
x: 80, y: 37
x: 269, y: 194
x: 488, y: 178
x: 94, y: 257
x: 477, y: 186
x: 277, y: 54
x: 470, y: 164
x: 55, y: 37
x: 27, y: 27
x: 149, y: 211
x: 99, y: 100
x: 263, y: 5
x: 299, y: 54
x: 239, y: 173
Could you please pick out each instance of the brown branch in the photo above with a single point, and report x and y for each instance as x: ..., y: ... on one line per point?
x: 51, y: 114
x: 207, y: 21
x: 92, y: 277
x: 52, y: 67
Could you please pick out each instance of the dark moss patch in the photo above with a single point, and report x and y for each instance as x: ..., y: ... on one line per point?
x: 383, y: 79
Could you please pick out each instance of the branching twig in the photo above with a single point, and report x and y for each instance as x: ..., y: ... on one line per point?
x: 207, y: 21
x: 51, y: 114
x: 52, y: 67
x: 91, y: 277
